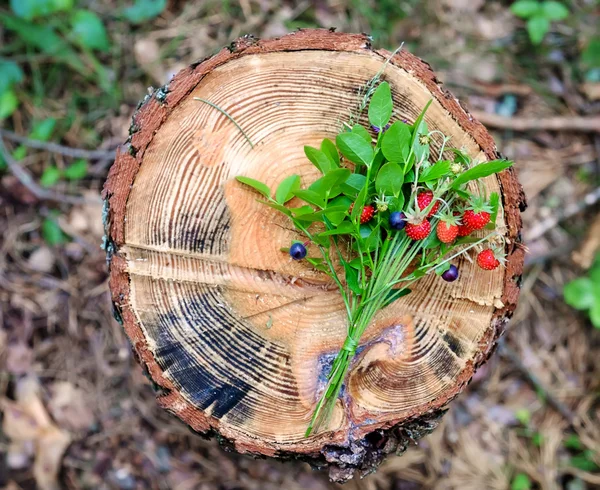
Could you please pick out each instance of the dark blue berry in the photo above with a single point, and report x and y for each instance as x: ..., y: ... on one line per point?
x: 397, y: 220
x: 451, y: 274
x: 297, y: 251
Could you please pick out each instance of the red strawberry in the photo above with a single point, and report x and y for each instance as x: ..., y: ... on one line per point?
x: 367, y: 213
x: 446, y: 232
x: 477, y: 215
x: 487, y: 260
x: 475, y: 221
x: 464, y: 230
x: 418, y: 231
x: 424, y: 199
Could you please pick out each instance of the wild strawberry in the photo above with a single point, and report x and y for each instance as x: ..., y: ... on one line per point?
x: 418, y: 231
x: 477, y: 215
x: 487, y: 260
x: 424, y: 199
x: 367, y: 213
x: 464, y: 230
x: 446, y: 231
x: 476, y: 221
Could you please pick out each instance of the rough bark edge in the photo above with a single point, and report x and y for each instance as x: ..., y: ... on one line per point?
x: 368, y: 446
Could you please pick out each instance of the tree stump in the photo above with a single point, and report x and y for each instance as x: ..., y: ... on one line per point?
x: 237, y: 337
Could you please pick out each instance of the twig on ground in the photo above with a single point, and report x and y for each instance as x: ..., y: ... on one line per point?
x: 558, y: 123
x: 39, y: 192
x: 56, y: 148
x: 546, y: 225
x: 507, y: 352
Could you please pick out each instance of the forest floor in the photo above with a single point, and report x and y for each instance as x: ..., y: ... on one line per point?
x: 530, y: 418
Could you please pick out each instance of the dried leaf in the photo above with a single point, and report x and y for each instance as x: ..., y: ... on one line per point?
x: 26, y: 420
x: 41, y: 260
x: 50, y: 448
x: 68, y: 406
x: 18, y: 359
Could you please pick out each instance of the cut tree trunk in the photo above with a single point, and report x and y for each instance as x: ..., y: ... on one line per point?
x: 237, y: 337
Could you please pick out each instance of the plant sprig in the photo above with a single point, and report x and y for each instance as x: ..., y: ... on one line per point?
x: 384, y: 213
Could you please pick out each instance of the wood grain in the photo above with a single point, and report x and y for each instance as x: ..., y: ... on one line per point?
x: 238, y: 336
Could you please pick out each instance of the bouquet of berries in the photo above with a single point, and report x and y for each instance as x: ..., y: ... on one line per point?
x: 387, y: 210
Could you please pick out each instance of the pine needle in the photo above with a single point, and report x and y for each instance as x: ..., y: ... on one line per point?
x: 226, y: 114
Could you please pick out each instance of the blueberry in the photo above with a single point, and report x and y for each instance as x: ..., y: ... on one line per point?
x: 451, y: 274
x: 297, y: 251
x: 397, y: 220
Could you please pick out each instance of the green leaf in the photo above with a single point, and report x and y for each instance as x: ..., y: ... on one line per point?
x: 329, y: 149
x: 421, y: 151
x: 436, y: 171
x: 554, y: 10
x: 8, y: 104
x: 573, y: 442
x: 340, y: 201
x: 344, y: 228
x: 88, y: 31
x: 595, y: 312
x: 10, y: 74
x: 316, y: 262
x: 285, y: 190
x: 525, y: 8
x: 585, y: 462
x: 301, y: 210
x: 390, y: 179
x: 537, y: 27
x: 480, y: 171
x: 362, y: 132
x: 381, y: 105
x: 256, y: 185
x: 590, y: 56
x: 144, y: 10
x: 354, y: 184
x: 580, y: 293
x: 523, y: 416
x: 42, y: 130
x: 395, y: 144
x: 324, y: 185
x: 337, y: 212
x: 372, y: 237
x: 319, y: 159
x: 355, y: 148
x: 495, y: 205
x: 31, y: 9
x: 352, y: 278
x: 397, y: 203
x: 359, y: 204
x: 311, y: 197
x: 418, y: 124
x: 52, y: 232
x: 77, y: 170
x: 393, y: 295
x: 50, y: 176
x: 45, y: 39
x: 461, y: 157
x: 276, y: 206
x: 521, y: 482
